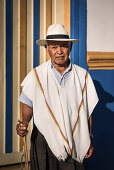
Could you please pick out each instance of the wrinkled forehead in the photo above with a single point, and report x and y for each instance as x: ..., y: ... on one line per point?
x: 66, y: 43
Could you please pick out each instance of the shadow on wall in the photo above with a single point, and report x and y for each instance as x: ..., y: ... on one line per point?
x: 103, y: 130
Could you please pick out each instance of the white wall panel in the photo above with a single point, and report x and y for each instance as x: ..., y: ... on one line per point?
x: 100, y: 25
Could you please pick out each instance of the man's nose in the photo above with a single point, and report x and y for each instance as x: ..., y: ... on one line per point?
x: 59, y: 50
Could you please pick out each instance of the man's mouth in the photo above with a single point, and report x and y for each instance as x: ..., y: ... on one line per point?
x: 60, y: 57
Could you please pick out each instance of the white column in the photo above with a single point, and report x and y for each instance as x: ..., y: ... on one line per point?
x: 29, y: 61
x: 42, y: 29
x: 16, y: 72
x: 29, y: 35
x: 58, y: 11
x: 2, y: 75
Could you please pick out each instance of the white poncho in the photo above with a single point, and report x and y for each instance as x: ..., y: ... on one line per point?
x: 61, y: 113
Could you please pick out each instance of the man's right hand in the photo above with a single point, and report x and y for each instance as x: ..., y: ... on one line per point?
x: 21, y: 128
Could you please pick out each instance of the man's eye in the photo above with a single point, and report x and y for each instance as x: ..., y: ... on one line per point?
x: 54, y: 47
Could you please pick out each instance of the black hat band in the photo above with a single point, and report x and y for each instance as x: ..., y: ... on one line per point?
x: 57, y: 36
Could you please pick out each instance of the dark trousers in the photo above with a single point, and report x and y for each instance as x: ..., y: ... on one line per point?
x: 42, y: 158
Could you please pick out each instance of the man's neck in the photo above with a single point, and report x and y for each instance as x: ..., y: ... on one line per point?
x: 61, y: 68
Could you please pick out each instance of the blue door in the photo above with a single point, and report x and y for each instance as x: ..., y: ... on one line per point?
x: 103, y: 115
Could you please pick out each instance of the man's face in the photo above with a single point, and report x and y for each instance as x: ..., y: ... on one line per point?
x: 59, y: 51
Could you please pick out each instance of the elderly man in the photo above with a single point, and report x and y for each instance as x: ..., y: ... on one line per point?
x: 61, y: 97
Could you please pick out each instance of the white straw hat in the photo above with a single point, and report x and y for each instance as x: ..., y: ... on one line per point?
x: 56, y: 32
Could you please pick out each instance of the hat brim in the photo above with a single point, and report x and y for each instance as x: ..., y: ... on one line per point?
x: 42, y: 42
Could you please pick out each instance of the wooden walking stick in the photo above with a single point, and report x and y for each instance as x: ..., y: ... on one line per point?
x: 26, y: 154
x: 25, y: 148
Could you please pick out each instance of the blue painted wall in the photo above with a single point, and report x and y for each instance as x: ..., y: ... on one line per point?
x: 103, y: 115
x: 8, y: 144
x: 36, y: 32
x: 103, y: 122
x: 78, y: 28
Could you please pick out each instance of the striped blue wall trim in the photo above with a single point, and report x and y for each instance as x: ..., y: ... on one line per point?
x: 8, y: 144
x: 79, y: 30
x: 83, y: 33
x: 36, y: 32
x: 74, y: 29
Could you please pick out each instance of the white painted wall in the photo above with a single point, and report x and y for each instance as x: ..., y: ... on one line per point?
x: 100, y: 25
x: 57, y: 11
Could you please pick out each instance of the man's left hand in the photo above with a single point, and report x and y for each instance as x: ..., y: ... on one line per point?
x: 90, y: 151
